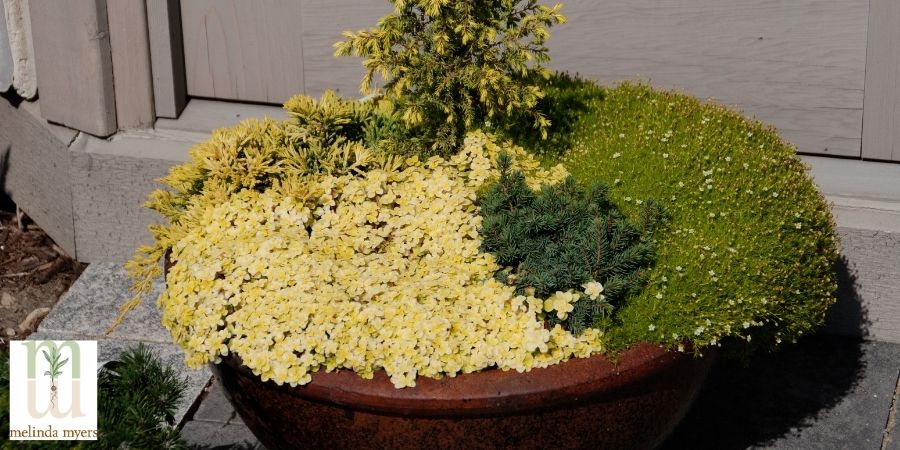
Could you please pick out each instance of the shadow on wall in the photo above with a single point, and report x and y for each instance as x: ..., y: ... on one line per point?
x: 6, y: 204
x: 780, y: 393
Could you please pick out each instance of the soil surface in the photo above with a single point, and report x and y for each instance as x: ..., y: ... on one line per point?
x: 34, y: 272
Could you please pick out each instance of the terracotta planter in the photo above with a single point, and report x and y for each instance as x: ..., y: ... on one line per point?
x: 582, y: 403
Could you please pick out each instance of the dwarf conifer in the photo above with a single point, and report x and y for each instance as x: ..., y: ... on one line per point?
x: 563, y: 236
x: 452, y: 65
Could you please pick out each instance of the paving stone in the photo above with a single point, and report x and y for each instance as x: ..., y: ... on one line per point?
x: 92, y: 303
x: 892, y: 442
x: 825, y: 392
x: 109, y: 349
x: 213, y: 435
x: 216, y: 407
x: 892, y: 431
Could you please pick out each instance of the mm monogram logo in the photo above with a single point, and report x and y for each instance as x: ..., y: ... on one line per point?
x: 53, y: 390
x: 53, y: 356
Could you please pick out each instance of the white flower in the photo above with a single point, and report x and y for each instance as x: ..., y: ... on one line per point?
x: 616, y: 155
x: 659, y: 295
x: 651, y: 327
x: 592, y: 289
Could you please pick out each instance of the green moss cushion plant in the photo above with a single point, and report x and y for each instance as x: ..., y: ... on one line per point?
x: 750, y: 244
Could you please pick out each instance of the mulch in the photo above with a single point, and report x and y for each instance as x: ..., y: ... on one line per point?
x: 34, y: 273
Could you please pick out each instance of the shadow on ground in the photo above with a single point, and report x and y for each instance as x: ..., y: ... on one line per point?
x: 242, y: 446
x: 781, y: 393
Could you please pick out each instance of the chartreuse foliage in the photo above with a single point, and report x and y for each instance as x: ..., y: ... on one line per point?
x: 137, y: 399
x: 563, y: 237
x: 749, y: 245
x: 451, y: 66
x: 331, y: 136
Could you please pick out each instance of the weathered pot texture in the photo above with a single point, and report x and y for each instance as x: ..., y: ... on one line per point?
x: 594, y: 403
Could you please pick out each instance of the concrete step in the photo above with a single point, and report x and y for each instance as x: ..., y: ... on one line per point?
x: 90, y: 306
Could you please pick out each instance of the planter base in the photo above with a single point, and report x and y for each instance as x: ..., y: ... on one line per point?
x: 582, y: 403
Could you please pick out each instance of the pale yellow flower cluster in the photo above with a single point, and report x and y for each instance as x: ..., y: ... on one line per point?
x: 382, y: 271
x: 480, y: 152
x: 562, y: 303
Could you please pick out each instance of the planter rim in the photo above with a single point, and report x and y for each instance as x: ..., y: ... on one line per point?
x: 489, y: 392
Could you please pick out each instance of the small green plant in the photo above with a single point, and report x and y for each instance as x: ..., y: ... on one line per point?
x: 138, y: 397
x: 451, y: 66
x: 4, y: 396
x: 55, y: 371
x: 564, y: 236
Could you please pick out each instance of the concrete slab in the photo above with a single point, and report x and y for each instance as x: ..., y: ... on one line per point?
x: 825, y: 392
x: 892, y: 429
x: 207, y: 115
x: 92, y: 304
x: 216, y: 407
x: 851, y: 178
x: 65, y: 135
x: 109, y: 349
x: 214, y: 435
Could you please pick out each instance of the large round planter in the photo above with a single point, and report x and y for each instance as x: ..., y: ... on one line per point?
x: 633, y: 403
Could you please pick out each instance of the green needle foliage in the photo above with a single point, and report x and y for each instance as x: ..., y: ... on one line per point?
x: 564, y: 236
x: 453, y: 65
x: 138, y: 399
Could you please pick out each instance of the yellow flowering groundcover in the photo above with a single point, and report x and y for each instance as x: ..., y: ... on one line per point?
x: 381, y: 270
